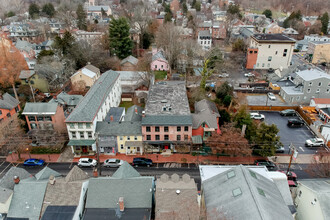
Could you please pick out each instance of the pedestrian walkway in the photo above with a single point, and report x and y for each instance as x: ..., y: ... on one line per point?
x: 302, y: 158
x: 13, y: 158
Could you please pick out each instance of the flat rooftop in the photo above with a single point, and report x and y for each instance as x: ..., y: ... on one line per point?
x: 273, y: 38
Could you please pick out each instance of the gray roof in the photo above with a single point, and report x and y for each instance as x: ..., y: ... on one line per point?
x: 312, y: 74
x: 240, y: 193
x: 116, y: 112
x: 158, y: 55
x: 5, y: 194
x: 205, y: 111
x: 292, y: 90
x: 76, y: 174
x: 169, y: 203
x: 130, y: 59
x: 98, y: 7
x: 322, y: 188
x: 92, y: 68
x: 40, y: 108
x: 59, y: 212
x: 25, y: 74
x: 206, y: 104
x: 128, y: 214
x: 24, y: 45
x: 8, y: 102
x: 278, y: 38
x: 7, y: 181
x: 167, y: 120
x: 45, y: 173
x: 27, y: 200
x: 119, y: 128
x: 131, y: 115
x: 126, y: 171
x: 66, y: 99
x: 170, y: 94
x: 205, y: 33
x: 104, y: 192
x: 88, y: 108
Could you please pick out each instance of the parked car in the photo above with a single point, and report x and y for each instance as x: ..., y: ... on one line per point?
x: 269, y: 164
x: 257, y: 116
x: 87, y: 162
x: 280, y: 149
x: 271, y: 96
x: 224, y: 75
x: 292, y: 178
x: 33, y: 162
x: 288, y: 112
x: 140, y: 161
x: 295, y: 122
x: 113, y: 162
x: 314, y: 142
x: 248, y: 74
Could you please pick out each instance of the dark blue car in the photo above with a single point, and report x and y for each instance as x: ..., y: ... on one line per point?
x: 140, y: 161
x: 34, y: 162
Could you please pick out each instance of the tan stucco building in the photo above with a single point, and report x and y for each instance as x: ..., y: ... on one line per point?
x: 85, y: 77
x: 319, y: 52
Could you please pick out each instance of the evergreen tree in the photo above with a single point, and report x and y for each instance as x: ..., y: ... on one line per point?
x: 184, y: 8
x: 325, y: 22
x: 34, y: 10
x: 234, y: 10
x: 120, y: 42
x: 81, y: 18
x: 65, y: 44
x: 268, y: 13
x: 49, y: 9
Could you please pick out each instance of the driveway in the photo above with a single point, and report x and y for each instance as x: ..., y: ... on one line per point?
x: 297, y: 135
x: 263, y: 100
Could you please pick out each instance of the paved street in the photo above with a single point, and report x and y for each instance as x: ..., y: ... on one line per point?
x: 297, y: 135
x: 193, y: 171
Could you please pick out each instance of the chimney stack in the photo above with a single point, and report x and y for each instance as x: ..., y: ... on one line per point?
x: 111, y: 117
x: 16, y: 179
x: 143, y: 114
x: 121, y: 204
x: 95, y: 173
x: 52, y: 179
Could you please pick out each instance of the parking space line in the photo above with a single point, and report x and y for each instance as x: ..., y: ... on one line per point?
x: 302, y: 149
x: 5, y: 169
x: 2, y: 163
x: 70, y: 165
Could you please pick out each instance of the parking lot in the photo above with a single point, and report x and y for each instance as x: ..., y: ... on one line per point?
x: 295, y: 135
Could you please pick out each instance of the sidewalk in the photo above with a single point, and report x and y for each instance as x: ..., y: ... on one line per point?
x: 46, y: 157
x: 302, y: 158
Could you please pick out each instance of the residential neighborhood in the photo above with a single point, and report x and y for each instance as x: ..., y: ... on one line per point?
x: 164, y: 109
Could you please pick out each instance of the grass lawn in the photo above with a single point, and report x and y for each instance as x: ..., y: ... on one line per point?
x: 160, y: 75
x: 126, y: 105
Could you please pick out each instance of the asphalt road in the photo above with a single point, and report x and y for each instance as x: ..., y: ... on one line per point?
x: 296, y: 135
x: 193, y: 171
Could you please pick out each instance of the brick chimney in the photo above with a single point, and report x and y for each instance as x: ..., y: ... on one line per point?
x: 121, y: 204
x: 16, y: 179
x: 143, y: 114
x: 95, y: 173
x: 111, y: 117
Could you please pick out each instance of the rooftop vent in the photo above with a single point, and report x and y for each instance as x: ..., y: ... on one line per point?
x: 163, y: 101
x: 177, y: 192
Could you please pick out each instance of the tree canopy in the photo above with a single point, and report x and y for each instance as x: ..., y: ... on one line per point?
x: 268, y: 13
x: 294, y: 17
x: 266, y: 140
x: 34, y: 10
x: 81, y: 18
x: 233, y: 9
x: 325, y: 22
x: 48, y: 9
x: 120, y: 42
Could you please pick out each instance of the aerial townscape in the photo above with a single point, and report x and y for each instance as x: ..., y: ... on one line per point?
x: 164, y: 110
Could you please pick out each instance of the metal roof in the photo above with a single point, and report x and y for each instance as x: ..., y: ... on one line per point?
x: 8, y: 102
x: 59, y: 212
x: 276, y: 38
x: 35, y: 108
x: 167, y: 120
x: 45, y: 173
x: 131, y: 115
x: 312, y: 74
x: 81, y: 142
x: 125, y: 171
x: 119, y: 128
x: 7, y: 181
x: 130, y: 59
x: 89, y: 106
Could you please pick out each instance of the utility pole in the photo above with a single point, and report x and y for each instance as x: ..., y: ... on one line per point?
x: 98, y: 153
x: 294, y: 154
x: 34, y: 99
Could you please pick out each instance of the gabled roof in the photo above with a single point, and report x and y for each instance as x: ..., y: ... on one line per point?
x: 116, y: 112
x: 131, y: 115
x: 130, y: 59
x: 76, y: 174
x: 240, y: 193
x: 5, y: 194
x: 7, y: 181
x: 126, y: 171
x: 45, y: 173
x: 92, y: 68
x: 158, y: 55
x: 66, y: 99
x: 40, y: 108
x: 119, y: 128
x: 25, y: 74
x: 89, y: 106
x: 91, y: 72
x: 205, y: 111
x: 104, y: 192
x: 8, y: 102
x: 321, y: 100
x: 24, y: 45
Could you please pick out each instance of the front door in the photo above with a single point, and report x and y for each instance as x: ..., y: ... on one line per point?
x: 84, y: 149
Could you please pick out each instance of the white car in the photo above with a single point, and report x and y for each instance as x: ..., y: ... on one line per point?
x: 271, y: 96
x: 113, y: 162
x: 87, y: 162
x: 248, y: 74
x: 224, y: 75
x: 314, y: 142
x: 257, y: 116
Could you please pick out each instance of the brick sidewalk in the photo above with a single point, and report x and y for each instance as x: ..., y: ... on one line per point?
x: 180, y: 158
x: 46, y: 157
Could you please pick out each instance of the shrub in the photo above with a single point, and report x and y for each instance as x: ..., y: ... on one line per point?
x: 46, y: 150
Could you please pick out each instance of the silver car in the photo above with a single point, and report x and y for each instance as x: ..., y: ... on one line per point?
x: 113, y: 162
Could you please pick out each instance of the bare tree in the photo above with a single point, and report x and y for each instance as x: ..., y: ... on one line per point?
x: 320, y: 166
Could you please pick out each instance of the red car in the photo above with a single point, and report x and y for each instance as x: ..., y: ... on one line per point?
x: 292, y: 178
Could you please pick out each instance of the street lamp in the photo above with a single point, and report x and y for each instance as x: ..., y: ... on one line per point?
x: 27, y: 150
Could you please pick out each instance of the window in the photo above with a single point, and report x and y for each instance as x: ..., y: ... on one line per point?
x: 268, y: 46
x: 162, y: 66
x: 90, y: 136
x: 308, y: 90
x: 328, y: 90
x: 148, y: 129
x: 135, y: 138
x: 284, y: 53
x: 317, y: 90
x: 263, y: 65
x: 320, y: 83
x: 255, y: 51
x: 121, y: 146
x: 48, y: 118
x: 166, y: 137
x: 261, y: 192
x: 155, y: 66
x: 73, y: 134
x: 231, y: 174
x: 186, y: 137
x: 157, y: 137
x: 276, y: 53
x: 128, y: 138
x: 40, y: 118
x: 33, y: 125
x: 299, y: 193
x: 178, y: 137
x: 165, y: 129
x: 251, y: 51
x: 310, y: 84
x: 268, y: 65
x: 157, y: 129
x: 16, y: 109
x: 257, y: 64
x: 121, y: 138
x: 236, y: 192
x: 186, y: 128
x: 270, y: 58
x: 148, y: 137
x: 82, y: 135
x: 253, y: 174
x: 88, y: 125
x: 31, y: 118
x: 80, y: 125
x: 178, y: 128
